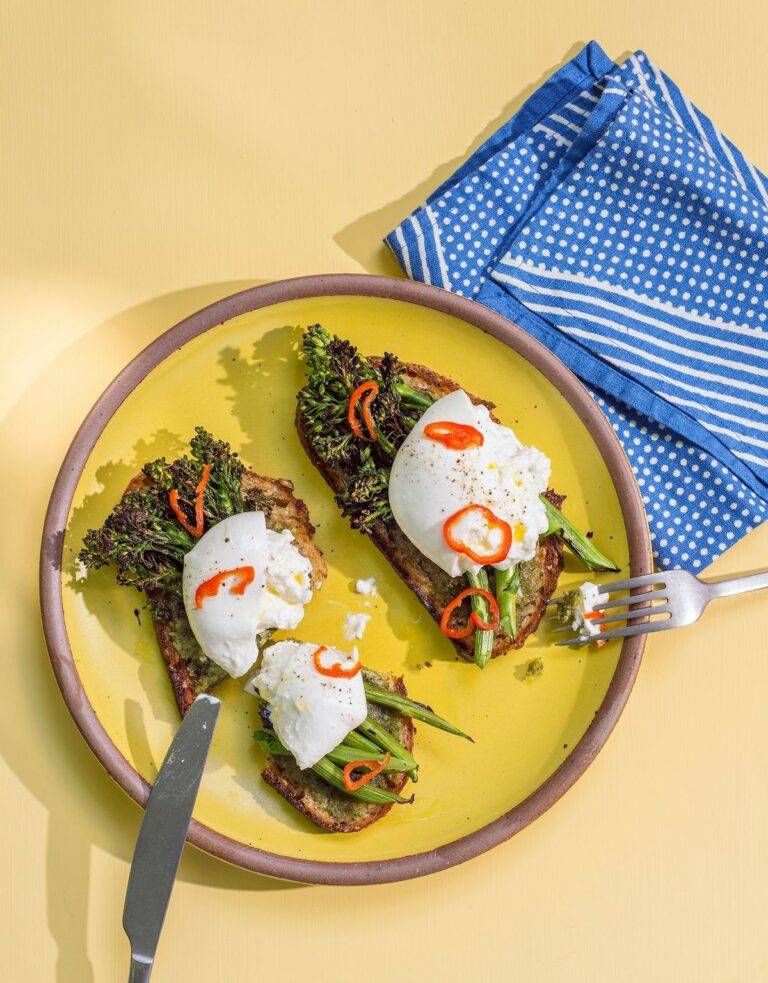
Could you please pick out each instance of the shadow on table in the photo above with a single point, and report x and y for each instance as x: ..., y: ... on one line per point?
x: 39, y: 741
x: 362, y: 239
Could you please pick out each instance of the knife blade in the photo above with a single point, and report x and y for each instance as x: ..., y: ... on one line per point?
x: 163, y: 833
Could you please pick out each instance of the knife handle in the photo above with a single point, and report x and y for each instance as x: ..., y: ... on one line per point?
x: 140, y: 969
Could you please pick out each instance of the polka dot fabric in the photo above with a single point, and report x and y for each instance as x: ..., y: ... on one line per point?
x: 696, y: 507
x: 614, y: 222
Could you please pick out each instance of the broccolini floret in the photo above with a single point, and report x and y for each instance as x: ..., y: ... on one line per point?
x: 142, y: 537
x: 335, y: 369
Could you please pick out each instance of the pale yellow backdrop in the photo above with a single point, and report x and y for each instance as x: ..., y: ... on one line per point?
x: 156, y: 156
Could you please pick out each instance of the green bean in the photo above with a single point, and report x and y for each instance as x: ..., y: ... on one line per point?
x: 368, y: 793
x: 356, y: 740
x: 419, y: 711
x: 560, y: 526
x: 388, y: 742
x: 343, y: 754
x: 332, y: 774
x: 346, y: 755
x: 507, y: 587
x: 483, y: 639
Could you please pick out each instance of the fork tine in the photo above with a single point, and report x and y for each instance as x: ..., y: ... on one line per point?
x: 645, y: 629
x: 626, y: 599
x: 620, y: 585
x: 626, y: 615
x: 648, y: 578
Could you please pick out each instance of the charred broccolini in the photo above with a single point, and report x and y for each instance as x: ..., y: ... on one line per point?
x: 334, y: 370
x: 143, y: 538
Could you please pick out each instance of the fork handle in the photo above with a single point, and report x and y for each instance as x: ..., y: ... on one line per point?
x: 738, y: 585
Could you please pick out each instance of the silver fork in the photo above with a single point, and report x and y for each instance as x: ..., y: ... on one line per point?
x: 679, y: 596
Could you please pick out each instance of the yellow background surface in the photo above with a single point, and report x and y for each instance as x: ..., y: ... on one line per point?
x: 158, y: 156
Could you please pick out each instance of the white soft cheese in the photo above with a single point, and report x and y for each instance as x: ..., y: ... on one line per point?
x: 587, y: 597
x: 429, y: 483
x: 311, y: 713
x: 226, y: 625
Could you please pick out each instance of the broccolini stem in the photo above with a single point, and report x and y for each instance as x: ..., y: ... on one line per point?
x: 413, y: 398
x: 386, y: 444
x: 483, y: 639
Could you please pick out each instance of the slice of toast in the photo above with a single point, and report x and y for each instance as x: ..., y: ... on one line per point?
x: 189, y: 670
x: 325, y: 805
x: 433, y: 586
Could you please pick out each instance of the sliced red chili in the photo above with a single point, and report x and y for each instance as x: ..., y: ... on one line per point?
x: 375, y: 768
x: 454, y: 436
x: 369, y: 390
x: 475, y: 621
x: 492, y: 522
x: 173, y: 500
x: 210, y: 588
x: 335, y: 670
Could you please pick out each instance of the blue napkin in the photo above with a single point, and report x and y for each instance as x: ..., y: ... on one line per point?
x: 615, y: 223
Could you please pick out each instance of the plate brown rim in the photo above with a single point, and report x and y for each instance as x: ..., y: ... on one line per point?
x: 73, y: 692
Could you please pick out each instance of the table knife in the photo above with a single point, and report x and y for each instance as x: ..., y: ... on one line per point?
x: 163, y: 833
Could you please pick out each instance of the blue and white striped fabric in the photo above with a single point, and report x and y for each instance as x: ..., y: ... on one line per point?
x: 616, y: 224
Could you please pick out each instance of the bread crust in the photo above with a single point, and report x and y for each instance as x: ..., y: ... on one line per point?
x: 431, y: 585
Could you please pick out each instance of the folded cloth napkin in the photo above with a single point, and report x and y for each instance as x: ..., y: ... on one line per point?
x: 615, y: 223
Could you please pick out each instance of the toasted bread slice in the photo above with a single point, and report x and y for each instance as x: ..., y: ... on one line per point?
x: 189, y: 670
x: 433, y: 586
x: 320, y: 802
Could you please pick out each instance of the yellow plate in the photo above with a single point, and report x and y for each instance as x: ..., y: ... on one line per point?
x: 239, y: 379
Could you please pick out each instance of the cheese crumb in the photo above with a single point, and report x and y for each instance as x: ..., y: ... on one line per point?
x: 588, y: 596
x: 366, y: 586
x: 355, y: 625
